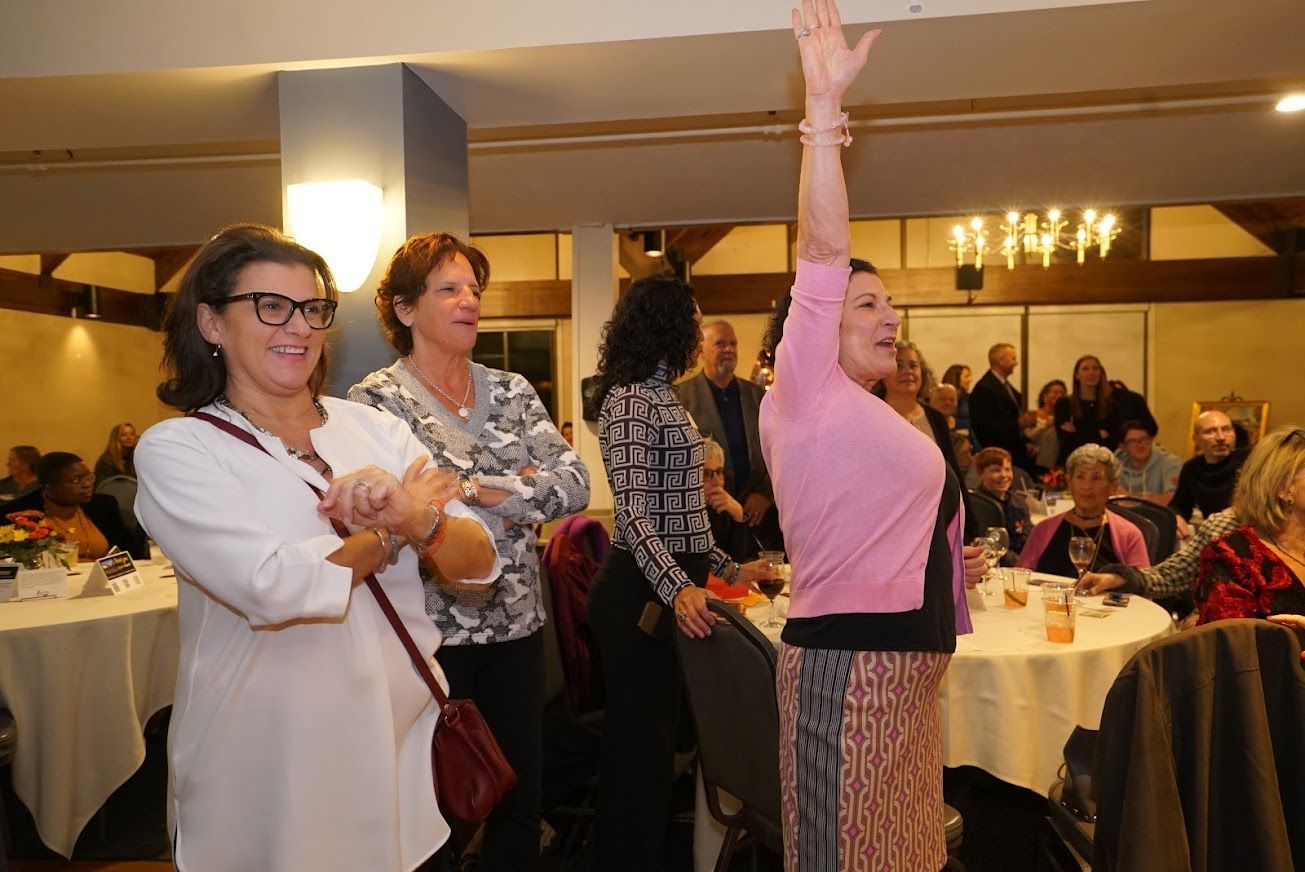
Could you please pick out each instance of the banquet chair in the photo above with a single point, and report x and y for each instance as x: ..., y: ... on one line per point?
x: 123, y: 489
x: 8, y: 741
x: 1166, y: 522
x: 1198, y: 763
x: 987, y: 511
x: 1150, y: 533
x: 730, y: 678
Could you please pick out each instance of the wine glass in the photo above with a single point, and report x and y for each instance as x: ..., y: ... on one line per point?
x: 989, y: 557
x: 1000, y: 541
x: 1082, y: 551
x: 772, y: 587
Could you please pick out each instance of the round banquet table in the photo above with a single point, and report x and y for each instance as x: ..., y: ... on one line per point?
x: 81, y: 677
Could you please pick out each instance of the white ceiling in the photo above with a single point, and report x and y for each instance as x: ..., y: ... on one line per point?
x: 1188, y: 85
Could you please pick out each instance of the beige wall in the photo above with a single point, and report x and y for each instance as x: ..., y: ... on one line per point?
x: 1179, y: 232
x: 69, y: 381
x: 1205, y: 351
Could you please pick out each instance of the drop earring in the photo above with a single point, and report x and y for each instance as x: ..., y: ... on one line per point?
x: 217, y: 350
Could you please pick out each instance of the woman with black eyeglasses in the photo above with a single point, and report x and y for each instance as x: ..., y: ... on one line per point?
x: 299, y: 722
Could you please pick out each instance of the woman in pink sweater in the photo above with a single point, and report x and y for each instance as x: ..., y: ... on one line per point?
x: 876, y: 546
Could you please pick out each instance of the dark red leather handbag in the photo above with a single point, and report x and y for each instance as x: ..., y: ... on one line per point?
x: 471, y: 774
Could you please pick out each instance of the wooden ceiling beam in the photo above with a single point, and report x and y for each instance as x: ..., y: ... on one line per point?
x: 50, y: 296
x: 631, y: 256
x: 1267, y: 220
x: 169, y: 261
x: 549, y: 298
x: 691, y: 243
x: 51, y: 262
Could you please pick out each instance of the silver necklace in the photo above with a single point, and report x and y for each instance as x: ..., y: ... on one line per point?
x: 306, y: 456
x: 463, y: 412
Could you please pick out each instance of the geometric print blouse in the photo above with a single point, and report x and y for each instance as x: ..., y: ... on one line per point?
x: 654, y: 456
x: 508, y: 429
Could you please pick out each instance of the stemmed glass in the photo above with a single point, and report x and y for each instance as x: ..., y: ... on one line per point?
x: 772, y: 587
x: 989, y: 557
x: 1000, y: 541
x: 1082, y: 551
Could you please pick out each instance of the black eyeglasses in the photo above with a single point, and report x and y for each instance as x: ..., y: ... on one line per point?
x: 275, y: 310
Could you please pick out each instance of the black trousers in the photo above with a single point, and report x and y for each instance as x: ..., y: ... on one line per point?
x: 641, y: 676
x: 506, y: 680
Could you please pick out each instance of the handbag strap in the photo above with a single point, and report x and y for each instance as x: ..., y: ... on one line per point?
x: 423, y: 668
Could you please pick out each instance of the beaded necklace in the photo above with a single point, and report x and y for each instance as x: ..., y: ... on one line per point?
x: 309, y: 457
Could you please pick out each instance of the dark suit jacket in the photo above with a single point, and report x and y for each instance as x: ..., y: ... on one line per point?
x: 695, y: 394
x: 995, y: 417
x: 103, y: 513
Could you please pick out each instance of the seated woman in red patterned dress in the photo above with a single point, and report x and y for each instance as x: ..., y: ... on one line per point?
x: 1257, y: 570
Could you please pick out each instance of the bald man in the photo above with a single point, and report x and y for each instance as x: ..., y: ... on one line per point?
x: 1206, y: 481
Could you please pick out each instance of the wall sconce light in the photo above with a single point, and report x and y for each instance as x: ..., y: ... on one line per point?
x: 342, y: 221
x: 86, y: 303
x: 654, y: 243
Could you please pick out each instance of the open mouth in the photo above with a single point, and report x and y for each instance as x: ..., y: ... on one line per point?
x: 292, y: 350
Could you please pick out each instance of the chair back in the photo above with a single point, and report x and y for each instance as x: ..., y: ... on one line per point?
x: 1150, y: 533
x: 1165, y: 521
x: 730, y: 678
x: 569, y: 574
x: 987, y: 511
x: 123, y: 489
x: 1199, y: 763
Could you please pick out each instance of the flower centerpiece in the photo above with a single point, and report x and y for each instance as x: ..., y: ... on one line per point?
x: 27, y: 538
x: 1055, y: 479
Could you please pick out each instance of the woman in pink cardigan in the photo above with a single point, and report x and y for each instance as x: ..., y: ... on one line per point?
x: 873, y: 523
x: 1093, y: 472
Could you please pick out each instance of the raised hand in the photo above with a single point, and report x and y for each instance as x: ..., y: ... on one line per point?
x: 828, y: 65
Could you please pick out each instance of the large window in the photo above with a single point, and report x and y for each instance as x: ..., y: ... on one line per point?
x: 528, y: 352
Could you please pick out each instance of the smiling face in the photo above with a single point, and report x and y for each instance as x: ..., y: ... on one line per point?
x: 275, y: 361
x: 1089, y: 487
x: 127, y: 436
x: 867, y: 335
x: 909, y: 377
x: 997, y: 477
x: 1088, y: 374
x: 446, y: 317
x: 944, y: 399
x: 965, y: 378
x: 1054, y: 393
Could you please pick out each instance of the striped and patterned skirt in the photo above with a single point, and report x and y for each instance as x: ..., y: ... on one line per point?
x: 861, y: 759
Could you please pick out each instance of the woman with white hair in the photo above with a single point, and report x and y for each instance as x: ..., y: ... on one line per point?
x: 1093, y: 472
x: 724, y: 513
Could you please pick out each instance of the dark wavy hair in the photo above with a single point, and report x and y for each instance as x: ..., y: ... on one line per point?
x: 405, y: 279
x: 195, y: 376
x: 652, y: 322
x: 775, y: 329
x: 1042, y: 394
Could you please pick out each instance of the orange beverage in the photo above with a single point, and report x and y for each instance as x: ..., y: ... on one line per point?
x: 1059, y: 634
x: 1016, y: 599
x: 1059, y: 614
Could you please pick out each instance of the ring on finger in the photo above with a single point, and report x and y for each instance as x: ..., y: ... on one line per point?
x: 806, y: 31
x: 363, y: 486
x: 682, y: 616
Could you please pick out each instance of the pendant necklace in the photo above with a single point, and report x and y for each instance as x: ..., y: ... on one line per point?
x: 463, y: 412
x: 309, y: 457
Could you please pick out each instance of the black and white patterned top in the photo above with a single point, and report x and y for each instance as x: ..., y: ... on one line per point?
x: 653, y: 454
x: 509, y: 428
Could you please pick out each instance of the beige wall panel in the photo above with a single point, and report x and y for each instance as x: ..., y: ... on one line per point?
x: 110, y: 269
x: 71, y: 380
x: 962, y: 335
x: 1180, y: 232
x: 1204, y: 351
x: 521, y: 257
x: 1058, y: 336
x: 28, y: 263
x: 926, y: 241
x: 879, y: 242
x: 748, y: 249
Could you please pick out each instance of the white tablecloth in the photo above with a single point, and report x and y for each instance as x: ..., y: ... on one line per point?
x: 81, y: 677
x: 1010, y: 698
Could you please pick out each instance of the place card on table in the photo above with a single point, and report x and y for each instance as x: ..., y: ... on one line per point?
x: 18, y: 584
x: 113, y: 574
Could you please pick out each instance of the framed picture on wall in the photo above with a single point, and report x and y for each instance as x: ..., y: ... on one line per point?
x: 1251, y: 416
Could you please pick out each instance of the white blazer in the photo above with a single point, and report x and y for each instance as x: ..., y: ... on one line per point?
x: 301, y: 733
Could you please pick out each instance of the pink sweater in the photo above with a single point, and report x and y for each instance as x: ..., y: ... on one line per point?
x: 857, y: 486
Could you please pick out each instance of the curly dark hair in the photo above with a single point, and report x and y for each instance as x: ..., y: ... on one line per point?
x: 775, y: 329
x: 405, y: 279
x: 196, y: 377
x: 652, y: 322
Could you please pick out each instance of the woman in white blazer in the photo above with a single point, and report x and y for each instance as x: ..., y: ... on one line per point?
x: 301, y: 732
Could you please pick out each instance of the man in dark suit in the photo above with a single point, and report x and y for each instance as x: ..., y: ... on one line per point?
x: 726, y: 409
x: 997, y: 411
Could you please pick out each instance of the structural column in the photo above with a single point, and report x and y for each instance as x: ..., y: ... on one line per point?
x: 383, y: 125
x: 593, y: 293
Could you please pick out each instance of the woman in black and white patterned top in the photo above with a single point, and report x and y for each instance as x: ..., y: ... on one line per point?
x: 516, y: 470
x: 663, y: 551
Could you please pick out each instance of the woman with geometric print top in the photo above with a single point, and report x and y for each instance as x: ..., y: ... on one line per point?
x: 1257, y: 570
x: 653, y: 578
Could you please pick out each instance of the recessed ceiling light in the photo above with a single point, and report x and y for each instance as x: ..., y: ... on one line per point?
x: 1291, y: 103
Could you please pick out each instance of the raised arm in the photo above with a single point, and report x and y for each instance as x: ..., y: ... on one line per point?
x: 829, y: 67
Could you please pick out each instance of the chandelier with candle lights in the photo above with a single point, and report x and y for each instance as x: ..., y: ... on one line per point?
x: 1028, y: 237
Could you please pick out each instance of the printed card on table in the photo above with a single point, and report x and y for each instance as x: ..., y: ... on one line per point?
x: 33, y: 584
x: 113, y: 574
